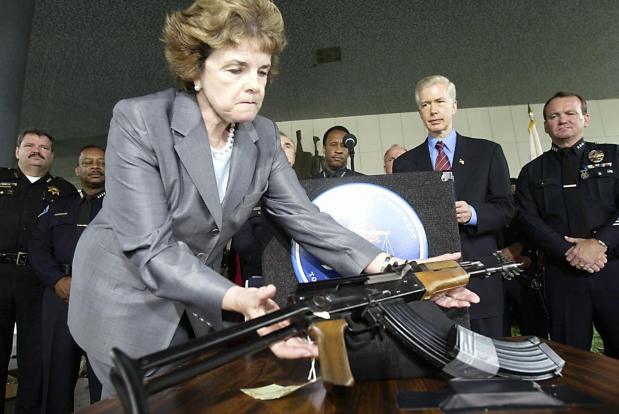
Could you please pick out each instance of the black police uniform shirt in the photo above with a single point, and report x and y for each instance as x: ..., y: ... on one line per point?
x: 21, y: 202
x: 542, y: 203
x: 55, y: 236
x: 340, y: 172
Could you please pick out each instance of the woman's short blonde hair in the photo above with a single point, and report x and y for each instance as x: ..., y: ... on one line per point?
x: 192, y: 34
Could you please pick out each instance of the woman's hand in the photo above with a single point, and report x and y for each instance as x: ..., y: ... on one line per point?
x: 377, y: 264
x: 252, y: 303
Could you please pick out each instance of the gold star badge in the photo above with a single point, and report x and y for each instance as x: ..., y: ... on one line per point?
x: 53, y: 190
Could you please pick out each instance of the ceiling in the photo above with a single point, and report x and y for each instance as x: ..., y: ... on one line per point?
x: 86, y: 55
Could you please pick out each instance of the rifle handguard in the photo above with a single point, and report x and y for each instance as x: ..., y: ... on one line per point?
x: 442, y: 276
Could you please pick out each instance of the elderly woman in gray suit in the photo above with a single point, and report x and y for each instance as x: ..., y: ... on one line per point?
x: 186, y: 168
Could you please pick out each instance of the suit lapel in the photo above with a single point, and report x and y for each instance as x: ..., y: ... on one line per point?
x: 463, y: 159
x: 421, y: 157
x: 194, y: 151
x: 242, y: 166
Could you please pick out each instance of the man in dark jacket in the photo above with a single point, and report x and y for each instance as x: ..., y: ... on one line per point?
x: 484, y: 205
x: 54, y: 238
x: 569, y: 204
x: 336, y: 154
x: 24, y: 192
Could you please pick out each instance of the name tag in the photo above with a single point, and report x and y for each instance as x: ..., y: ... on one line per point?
x: 7, y: 188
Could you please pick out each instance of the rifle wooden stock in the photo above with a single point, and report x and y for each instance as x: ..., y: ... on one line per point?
x: 441, y: 277
x: 334, y: 366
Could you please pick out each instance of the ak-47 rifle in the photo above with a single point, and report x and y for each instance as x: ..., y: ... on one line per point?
x: 318, y: 308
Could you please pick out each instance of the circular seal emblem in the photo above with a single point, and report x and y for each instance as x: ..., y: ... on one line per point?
x: 596, y: 156
x: 375, y: 213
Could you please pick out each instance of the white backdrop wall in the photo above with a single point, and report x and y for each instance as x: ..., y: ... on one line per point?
x: 506, y: 125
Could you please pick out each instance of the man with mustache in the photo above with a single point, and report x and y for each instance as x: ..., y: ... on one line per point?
x: 24, y: 192
x: 484, y: 203
x: 336, y: 154
x: 54, y: 238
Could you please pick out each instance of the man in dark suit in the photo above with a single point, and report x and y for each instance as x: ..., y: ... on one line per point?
x: 481, y: 186
x: 336, y: 154
x: 53, y: 242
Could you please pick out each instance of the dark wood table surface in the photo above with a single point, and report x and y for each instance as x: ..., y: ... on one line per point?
x: 218, y: 391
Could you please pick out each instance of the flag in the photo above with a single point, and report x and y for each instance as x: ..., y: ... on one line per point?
x: 535, y: 148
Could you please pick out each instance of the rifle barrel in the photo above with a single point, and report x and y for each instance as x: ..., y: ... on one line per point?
x: 252, y: 346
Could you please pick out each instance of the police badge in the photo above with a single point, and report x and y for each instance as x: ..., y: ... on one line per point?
x: 53, y: 190
x: 595, y: 156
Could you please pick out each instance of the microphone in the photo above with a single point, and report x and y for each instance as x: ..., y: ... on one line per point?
x: 350, y: 141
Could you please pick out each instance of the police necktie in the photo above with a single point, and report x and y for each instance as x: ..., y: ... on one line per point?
x: 83, y: 217
x: 573, y: 203
x: 442, y: 162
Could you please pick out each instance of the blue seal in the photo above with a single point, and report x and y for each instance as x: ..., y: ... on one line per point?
x: 375, y: 213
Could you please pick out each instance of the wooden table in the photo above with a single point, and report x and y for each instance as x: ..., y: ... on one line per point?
x: 218, y: 391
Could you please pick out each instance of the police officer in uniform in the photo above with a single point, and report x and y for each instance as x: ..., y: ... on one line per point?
x: 569, y: 207
x: 54, y: 238
x: 24, y: 192
x: 336, y: 154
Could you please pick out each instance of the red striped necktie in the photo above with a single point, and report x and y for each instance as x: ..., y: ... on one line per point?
x: 442, y: 162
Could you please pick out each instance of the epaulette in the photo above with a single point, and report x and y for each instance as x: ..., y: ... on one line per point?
x: 608, y: 146
x: 9, y: 173
x: 8, y: 180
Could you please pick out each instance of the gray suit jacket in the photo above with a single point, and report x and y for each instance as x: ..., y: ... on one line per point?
x: 155, y: 248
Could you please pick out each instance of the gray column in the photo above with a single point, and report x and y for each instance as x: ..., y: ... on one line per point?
x: 15, y: 23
